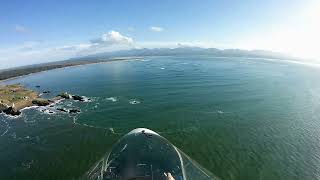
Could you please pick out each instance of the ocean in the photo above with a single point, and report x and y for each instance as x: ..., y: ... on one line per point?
x: 240, y: 118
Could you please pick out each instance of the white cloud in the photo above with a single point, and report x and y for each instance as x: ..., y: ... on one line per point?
x: 20, y: 28
x: 113, y: 38
x: 116, y: 38
x: 33, y: 52
x: 156, y: 29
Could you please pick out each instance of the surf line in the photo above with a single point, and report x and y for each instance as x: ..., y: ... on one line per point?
x: 96, y: 127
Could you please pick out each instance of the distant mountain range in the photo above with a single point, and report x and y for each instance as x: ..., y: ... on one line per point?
x: 190, y: 51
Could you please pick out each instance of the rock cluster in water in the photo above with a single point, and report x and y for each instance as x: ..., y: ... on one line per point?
x: 15, y: 97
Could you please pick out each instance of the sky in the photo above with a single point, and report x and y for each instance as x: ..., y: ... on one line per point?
x: 36, y: 31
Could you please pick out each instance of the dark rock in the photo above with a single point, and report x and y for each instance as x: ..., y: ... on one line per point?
x: 46, y: 92
x: 40, y: 102
x: 77, y: 98
x: 62, y: 109
x: 12, y: 111
x: 37, y: 86
x: 74, y: 111
x: 65, y: 95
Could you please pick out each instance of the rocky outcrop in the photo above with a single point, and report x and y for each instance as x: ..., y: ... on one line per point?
x: 65, y: 95
x: 12, y: 111
x: 40, y: 102
x: 15, y: 97
x: 62, y: 110
x: 74, y: 111
x: 77, y: 98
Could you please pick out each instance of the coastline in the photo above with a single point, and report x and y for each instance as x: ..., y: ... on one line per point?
x: 33, y: 70
x: 15, y: 98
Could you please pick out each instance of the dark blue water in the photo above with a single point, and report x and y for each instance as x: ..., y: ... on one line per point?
x: 239, y: 118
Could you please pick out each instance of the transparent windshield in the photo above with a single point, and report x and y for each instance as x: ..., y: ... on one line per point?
x: 144, y: 154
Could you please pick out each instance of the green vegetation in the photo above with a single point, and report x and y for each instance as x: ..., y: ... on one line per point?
x: 16, y: 95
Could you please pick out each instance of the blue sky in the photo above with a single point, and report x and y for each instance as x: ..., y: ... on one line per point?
x: 48, y: 30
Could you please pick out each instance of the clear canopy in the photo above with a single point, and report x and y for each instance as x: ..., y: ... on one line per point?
x: 145, y: 155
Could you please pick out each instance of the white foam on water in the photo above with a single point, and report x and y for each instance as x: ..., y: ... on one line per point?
x: 69, y: 104
x: 30, y: 107
x: 220, y: 112
x: 162, y: 68
x: 86, y: 99
x: 75, y: 120
x: 112, y: 130
x: 95, y: 106
x: 33, y: 121
x: 57, y: 102
x: 10, y: 116
x: 134, y: 101
x: 113, y: 99
x: 46, y: 110
x: 27, y: 164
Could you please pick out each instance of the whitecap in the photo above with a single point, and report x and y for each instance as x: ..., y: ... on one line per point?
x: 86, y: 99
x: 134, y: 101
x: 162, y: 68
x: 113, y: 99
x: 111, y: 130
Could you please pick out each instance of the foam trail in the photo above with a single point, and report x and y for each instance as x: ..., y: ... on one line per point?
x: 113, y: 99
x: 96, y: 127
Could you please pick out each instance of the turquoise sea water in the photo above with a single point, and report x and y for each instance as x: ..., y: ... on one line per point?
x: 239, y: 118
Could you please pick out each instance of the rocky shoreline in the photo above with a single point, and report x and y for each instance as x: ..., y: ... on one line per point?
x: 15, y: 97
